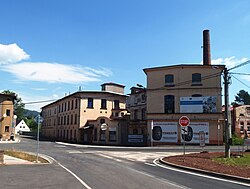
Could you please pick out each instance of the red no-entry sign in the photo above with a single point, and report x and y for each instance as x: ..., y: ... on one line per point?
x: 184, y: 121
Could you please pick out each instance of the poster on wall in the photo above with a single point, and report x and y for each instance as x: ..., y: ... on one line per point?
x: 195, y: 129
x: 205, y: 104
x: 165, y: 132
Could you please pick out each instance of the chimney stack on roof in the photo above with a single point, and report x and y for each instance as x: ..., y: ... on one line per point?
x: 206, y: 48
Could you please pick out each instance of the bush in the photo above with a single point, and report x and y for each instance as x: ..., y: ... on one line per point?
x: 237, y: 140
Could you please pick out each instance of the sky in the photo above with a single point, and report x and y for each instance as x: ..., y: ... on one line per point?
x: 49, y: 48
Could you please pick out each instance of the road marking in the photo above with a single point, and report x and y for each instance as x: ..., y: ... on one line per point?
x: 59, y: 146
x: 150, y: 164
x: 109, y: 157
x: 73, y: 174
x: 197, y: 174
x: 74, y: 152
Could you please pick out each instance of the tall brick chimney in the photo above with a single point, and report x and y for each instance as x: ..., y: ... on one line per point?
x: 206, y: 48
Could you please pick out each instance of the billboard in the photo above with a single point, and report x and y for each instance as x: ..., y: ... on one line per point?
x: 195, y: 129
x: 204, y: 104
x: 165, y: 132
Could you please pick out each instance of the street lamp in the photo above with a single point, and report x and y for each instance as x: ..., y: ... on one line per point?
x: 12, y: 135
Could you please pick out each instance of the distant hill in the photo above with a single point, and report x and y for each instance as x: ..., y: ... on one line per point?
x: 30, y: 113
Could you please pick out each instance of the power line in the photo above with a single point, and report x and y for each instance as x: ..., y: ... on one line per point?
x: 241, y: 82
x: 240, y: 73
x: 240, y: 65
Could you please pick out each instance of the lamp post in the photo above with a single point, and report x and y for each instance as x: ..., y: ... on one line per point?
x: 12, y: 135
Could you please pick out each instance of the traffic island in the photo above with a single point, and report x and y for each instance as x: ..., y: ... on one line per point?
x: 212, y: 164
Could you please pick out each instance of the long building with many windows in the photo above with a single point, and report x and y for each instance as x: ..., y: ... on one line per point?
x: 90, y: 117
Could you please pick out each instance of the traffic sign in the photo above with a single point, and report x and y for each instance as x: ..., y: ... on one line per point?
x: 184, y: 121
x: 184, y: 130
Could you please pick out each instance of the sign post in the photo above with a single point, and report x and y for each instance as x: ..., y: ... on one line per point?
x: 202, y: 139
x: 184, y: 122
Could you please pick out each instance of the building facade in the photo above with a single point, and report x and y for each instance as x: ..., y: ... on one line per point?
x: 184, y: 90
x: 7, y: 116
x: 90, y: 117
x: 240, y: 116
x: 136, y: 104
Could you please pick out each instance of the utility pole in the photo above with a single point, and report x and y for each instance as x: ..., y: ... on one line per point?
x: 227, y: 116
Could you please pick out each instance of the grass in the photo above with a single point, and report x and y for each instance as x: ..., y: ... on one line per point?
x: 23, y: 155
x: 241, y: 161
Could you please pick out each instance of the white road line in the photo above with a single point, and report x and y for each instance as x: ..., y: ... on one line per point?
x: 74, y: 152
x: 109, y: 157
x: 73, y: 174
x: 150, y: 164
x: 199, y: 175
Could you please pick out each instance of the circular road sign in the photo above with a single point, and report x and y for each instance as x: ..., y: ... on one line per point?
x: 184, y: 121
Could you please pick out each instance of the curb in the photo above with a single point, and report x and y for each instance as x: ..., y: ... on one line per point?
x: 210, y: 173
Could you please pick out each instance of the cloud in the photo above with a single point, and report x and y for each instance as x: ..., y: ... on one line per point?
x: 55, y: 72
x: 10, y: 54
x: 230, y: 62
x: 39, y: 89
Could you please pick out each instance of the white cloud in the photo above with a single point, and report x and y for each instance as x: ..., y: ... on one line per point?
x: 12, y: 53
x: 55, y: 72
x: 229, y: 62
x: 39, y: 89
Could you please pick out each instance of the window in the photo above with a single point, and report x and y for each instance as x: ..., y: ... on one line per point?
x: 103, y: 136
x: 116, y: 104
x: 90, y: 103
x: 68, y: 105
x: 7, y: 112
x: 68, y: 120
x: 196, y: 79
x: 7, y: 129
x: 112, y: 135
x: 76, y: 104
x: 143, y: 114
x: 135, y: 114
x: 75, y: 118
x: 103, y: 104
x: 95, y: 134
x: 241, y: 128
x: 169, y: 104
x: 169, y: 80
x: 64, y: 122
x: 71, y: 119
x: 72, y: 104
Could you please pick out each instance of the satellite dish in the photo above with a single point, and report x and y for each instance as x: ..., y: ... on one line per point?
x: 104, y: 126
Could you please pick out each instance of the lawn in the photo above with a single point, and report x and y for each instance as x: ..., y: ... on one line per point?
x: 241, y: 160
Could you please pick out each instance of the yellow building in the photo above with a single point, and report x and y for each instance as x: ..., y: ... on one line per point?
x: 184, y: 90
x: 241, y: 120
x: 91, y: 117
x: 7, y: 117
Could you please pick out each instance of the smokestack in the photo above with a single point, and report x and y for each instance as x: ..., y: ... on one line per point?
x: 206, y: 48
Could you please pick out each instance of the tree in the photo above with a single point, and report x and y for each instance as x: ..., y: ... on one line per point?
x: 242, y: 97
x: 18, y: 105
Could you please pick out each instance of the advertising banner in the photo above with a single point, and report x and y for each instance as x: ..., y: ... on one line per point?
x: 165, y: 132
x: 195, y: 129
x: 205, y: 104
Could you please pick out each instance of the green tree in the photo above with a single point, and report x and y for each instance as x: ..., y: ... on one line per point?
x: 18, y: 105
x: 242, y: 97
x: 31, y: 123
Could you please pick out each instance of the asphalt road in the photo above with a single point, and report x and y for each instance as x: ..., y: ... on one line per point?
x: 82, y: 166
